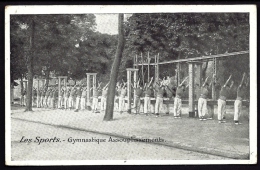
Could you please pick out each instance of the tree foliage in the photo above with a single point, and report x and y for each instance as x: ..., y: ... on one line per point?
x: 67, y: 45
x: 189, y: 35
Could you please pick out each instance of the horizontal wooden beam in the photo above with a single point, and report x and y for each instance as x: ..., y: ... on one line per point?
x: 211, y: 57
x: 62, y: 76
x: 91, y: 73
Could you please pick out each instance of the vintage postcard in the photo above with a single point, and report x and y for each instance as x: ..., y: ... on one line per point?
x: 130, y: 85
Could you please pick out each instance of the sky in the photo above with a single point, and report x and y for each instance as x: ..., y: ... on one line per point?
x: 108, y: 23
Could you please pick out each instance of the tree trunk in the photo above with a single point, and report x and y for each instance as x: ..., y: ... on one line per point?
x: 30, y: 69
x: 114, y: 70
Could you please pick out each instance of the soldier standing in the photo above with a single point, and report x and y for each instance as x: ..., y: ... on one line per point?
x: 178, y: 99
x: 71, y: 97
x: 61, y: 98
x: 238, y: 102
x: 96, y: 91
x: 104, y: 97
x: 147, y: 97
x: 222, y: 100
x: 83, y: 98
x: 138, y: 90
x: 66, y: 99
x: 202, y: 102
x: 160, y: 90
x: 78, y: 94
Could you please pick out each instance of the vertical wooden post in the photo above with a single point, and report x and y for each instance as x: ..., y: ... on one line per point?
x: 88, y: 90
x: 155, y: 68
x: 135, y: 77
x: 128, y: 91
x: 213, y: 84
x: 199, y: 76
x: 142, y: 67
x: 94, y: 81
x: 134, y: 62
x: 191, y: 90
x: 148, y: 60
x: 199, y: 73
x: 157, y: 75
x: 38, y: 87
x: 178, y: 74
x: 59, y: 83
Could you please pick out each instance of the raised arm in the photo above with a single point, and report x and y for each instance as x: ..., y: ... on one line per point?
x: 132, y: 86
x: 99, y: 84
x: 124, y: 85
x: 105, y: 86
x: 244, y: 74
x: 205, y: 81
x: 145, y: 85
x: 227, y: 80
x: 150, y: 82
x: 183, y: 81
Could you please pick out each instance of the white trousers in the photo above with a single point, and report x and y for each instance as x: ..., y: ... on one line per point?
x: 238, y: 109
x: 121, y: 103
x: 60, y: 102
x: 24, y: 100
x: 158, y: 104
x: 147, y: 104
x: 42, y: 101
x: 45, y: 101
x: 137, y: 104
x: 177, y: 106
x: 53, y: 102
x: 77, y: 102
x: 38, y: 101
x: 95, y: 103
x: 66, y: 102
x: 103, y: 103
x: 221, y: 109
x: 82, y: 103
x: 202, y: 107
x: 49, y: 101
x: 71, y: 102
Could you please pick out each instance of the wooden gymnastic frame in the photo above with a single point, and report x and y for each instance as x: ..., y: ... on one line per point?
x: 94, y: 84
x: 191, y: 62
x: 129, y: 81
x: 60, y: 78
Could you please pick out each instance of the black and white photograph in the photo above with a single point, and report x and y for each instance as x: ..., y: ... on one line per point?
x: 130, y: 85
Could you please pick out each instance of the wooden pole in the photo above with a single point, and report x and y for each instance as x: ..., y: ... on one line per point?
x: 148, y: 79
x: 88, y: 90
x: 38, y: 86
x: 157, y: 75
x: 142, y: 67
x: 155, y: 68
x: 203, y: 58
x: 136, y: 61
x: 59, y: 84
x: 191, y: 90
x: 128, y: 90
